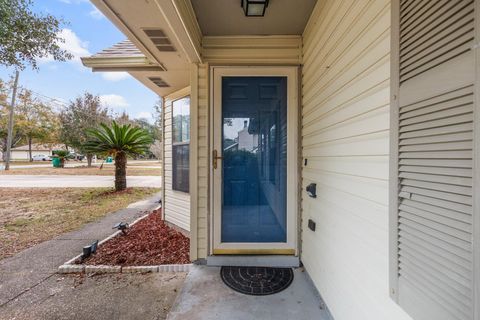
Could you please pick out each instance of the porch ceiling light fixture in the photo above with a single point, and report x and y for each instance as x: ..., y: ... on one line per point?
x: 254, y: 8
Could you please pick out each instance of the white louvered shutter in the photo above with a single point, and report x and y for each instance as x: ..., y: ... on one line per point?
x: 434, y: 103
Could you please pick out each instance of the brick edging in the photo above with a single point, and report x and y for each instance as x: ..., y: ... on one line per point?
x: 82, y: 268
x: 71, y: 267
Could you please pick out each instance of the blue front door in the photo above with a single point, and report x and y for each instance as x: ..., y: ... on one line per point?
x: 254, y: 150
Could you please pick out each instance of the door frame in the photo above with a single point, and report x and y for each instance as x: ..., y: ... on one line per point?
x: 290, y: 246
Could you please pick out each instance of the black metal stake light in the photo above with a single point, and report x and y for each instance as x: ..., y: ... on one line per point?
x: 122, y: 226
x: 254, y: 8
x: 89, y: 250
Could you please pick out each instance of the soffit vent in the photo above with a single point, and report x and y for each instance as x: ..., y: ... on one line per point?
x: 159, y: 82
x: 160, y: 40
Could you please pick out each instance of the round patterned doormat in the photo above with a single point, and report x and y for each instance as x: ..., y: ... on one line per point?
x: 257, y: 281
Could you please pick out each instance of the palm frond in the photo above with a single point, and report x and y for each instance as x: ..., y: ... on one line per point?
x: 118, y: 138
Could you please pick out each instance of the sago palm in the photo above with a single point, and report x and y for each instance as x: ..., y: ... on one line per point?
x: 118, y: 141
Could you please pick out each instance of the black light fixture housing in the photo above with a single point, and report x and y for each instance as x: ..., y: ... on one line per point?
x: 254, y: 8
x: 122, y: 226
x: 89, y: 250
x: 312, y: 190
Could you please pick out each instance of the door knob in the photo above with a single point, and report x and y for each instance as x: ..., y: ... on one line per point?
x: 215, y: 159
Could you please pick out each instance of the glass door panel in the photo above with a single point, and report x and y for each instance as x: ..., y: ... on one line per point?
x: 254, y: 149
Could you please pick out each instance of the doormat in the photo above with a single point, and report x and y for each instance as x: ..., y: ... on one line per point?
x: 257, y: 281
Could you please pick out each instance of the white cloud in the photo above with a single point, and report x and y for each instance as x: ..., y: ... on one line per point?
x: 113, y: 101
x: 72, y: 44
x: 78, y: 48
x: 96, y: 14
x: 115, y: 76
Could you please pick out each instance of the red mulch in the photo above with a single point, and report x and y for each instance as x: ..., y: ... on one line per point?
x: 148, y: 242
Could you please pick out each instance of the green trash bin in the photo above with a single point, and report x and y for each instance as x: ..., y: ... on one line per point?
x: 109, y: 160
x: 56, y: 162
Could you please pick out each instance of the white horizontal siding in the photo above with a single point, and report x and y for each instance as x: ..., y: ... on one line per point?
x: 199, y: 178
x: 345, y: 137
x: 202, y: 161
x: 280, y: 50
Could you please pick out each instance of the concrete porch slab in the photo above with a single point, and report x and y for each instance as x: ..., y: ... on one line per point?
x: 204, y: 296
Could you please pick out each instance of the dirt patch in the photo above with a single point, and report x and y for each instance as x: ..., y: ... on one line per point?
x: 148, y: 242
x: 30, y: 216
x: 100, y: 297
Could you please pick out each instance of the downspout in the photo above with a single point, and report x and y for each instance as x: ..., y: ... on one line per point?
x: 162, y: 129
x: 193, y: 162
x: 300, y: 165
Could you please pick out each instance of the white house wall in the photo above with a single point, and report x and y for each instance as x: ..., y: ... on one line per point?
x: 345, y: 139
x: 24, y: 155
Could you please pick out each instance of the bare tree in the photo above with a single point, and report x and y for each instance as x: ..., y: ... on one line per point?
x: 82, y: 114
x: 157, y: 149
x: 35, y: 120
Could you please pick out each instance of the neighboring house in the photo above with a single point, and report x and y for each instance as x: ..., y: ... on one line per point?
x: 22, y: 152
x: 246, y: 139
x: 372, y: 101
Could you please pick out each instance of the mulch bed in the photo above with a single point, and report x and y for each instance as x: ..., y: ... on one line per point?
x: 148, y: 242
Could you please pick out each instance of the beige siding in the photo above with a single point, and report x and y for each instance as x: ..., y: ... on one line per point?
x: 201, y: 193
x: 176, y: 204
x: 280, y: 50
x: 345, y: 137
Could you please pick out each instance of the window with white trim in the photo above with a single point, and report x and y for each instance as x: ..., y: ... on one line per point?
x: 181, y: 144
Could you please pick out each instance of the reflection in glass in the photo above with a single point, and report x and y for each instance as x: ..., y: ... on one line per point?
x: 181, y: 144
x: 181, y: 120
x: 254, y: 142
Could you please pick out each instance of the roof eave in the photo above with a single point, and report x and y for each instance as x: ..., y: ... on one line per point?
x: 120, y: 64
x: 180, y: 17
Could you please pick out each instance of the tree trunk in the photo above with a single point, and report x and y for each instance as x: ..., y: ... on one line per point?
x: 30, y: 149
x: 120, y: 171
x: 89, y: 160
x: 4, y: 150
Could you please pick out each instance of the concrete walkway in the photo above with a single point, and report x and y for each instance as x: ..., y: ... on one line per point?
x: 204, y: 296
x: 27, y: 270
x: 70, y: 181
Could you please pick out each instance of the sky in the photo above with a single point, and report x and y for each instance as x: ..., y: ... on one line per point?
x: 87, y: 31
